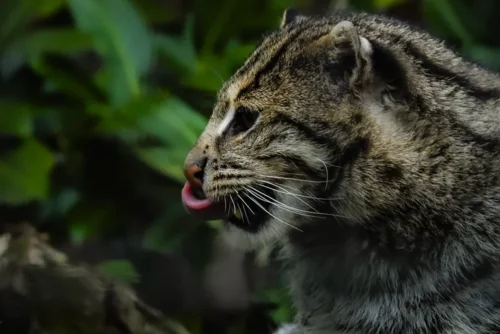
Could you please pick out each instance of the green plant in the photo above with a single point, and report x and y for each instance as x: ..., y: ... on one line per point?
x: 100, y: 100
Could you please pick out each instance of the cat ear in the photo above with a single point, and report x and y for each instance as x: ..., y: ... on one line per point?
x: 345, y: 35
x: 290, y: 15
x: 374, y: 64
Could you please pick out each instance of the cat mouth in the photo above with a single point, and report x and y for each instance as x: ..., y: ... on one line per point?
x: 245, y: 210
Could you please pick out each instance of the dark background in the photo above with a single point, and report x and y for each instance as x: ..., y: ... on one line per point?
x: 100, y: 100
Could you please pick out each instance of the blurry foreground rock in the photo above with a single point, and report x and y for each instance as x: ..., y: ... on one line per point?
x: 42, y: 293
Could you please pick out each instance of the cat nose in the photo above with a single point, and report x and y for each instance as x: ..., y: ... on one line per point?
x: 194, y: 173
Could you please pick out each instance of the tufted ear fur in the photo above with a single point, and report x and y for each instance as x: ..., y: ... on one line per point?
x: 375, y: 65
x: 290, y: 15
x: 345, y: 35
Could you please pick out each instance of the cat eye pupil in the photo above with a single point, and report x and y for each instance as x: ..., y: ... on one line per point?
x: 244, y: 119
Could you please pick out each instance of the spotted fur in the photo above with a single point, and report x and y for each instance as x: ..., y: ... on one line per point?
x: 383, y: 146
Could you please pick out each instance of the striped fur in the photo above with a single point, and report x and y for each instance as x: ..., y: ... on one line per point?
x: 383, y: 147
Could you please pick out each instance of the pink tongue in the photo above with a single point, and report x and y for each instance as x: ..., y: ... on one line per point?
x: 201, y: 208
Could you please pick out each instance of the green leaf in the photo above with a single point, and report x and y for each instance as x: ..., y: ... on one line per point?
x: 10, y: 63
x: 60, y: 203
x: 178, y: 51
x: 279, y: 296
x: 32, y: 45
x: 121, y: 270
x: 174, y: 122
x: 25, y: 173
x: 209, y: 74
x: 212, y: 69
x: 121, y: 38
x: 46, y: 7
x: 443, y: 16
x: 167, y: 119
x: 365, y: 5
x: 91, y: 217
x: 167, y: 161
x: 155, y: 11
x: 168, y: 232
x: 17, y: 14
x: 215, y: 224
x: 15, y: 119
x: 62, y: 40
x: 67, y: 76
x: 485, y: 55
x: 385, y: 4
x: 178, y: 126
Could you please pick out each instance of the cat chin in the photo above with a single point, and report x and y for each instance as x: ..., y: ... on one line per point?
x: 270, y: 233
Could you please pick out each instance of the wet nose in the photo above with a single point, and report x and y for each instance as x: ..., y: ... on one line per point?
x: 194, y: 174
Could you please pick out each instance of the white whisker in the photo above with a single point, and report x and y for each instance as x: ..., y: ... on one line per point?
x: 289, y: 208
x: 269, y: 213
x: 232, y: 201
x: 245, y: 203
x: 292, y: 179
x: 291, y: 194
x: 326, y: 171
x: 285, y: 191
x: 277, y: 203
x: 242, y: 213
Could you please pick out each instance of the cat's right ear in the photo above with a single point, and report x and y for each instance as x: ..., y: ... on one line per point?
x: 374, y: 64
x: 289, y: 16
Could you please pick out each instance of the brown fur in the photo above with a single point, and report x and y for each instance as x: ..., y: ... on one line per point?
x: 381, y: 146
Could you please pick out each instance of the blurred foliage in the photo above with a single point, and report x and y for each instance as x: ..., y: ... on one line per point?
x: 121, y: 270
x: 100, y: 100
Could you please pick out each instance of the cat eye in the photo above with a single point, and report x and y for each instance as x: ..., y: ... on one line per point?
x: 243, y: 120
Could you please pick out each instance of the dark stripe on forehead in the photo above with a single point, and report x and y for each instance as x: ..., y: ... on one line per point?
x: 256, y: 55
x: 308, y: 132
x: 273, y: 59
